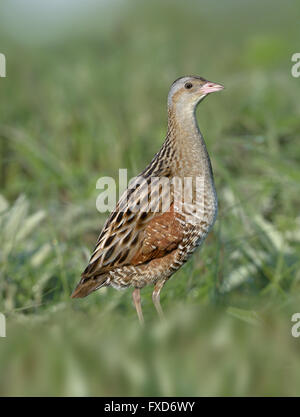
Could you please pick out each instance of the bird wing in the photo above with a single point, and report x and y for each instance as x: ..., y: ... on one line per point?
x: 133, y: 236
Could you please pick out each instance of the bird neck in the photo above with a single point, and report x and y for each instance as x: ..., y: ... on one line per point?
x: 187, y: 141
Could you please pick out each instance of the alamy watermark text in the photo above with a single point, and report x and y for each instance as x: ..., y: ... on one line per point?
x: 2, y: 325
x: 296, y: 67
x: 2, y: 66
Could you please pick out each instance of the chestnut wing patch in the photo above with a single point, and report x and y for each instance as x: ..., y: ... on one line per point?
x: 132, y: 237
x: 151, y: 236
x: 161, y: 236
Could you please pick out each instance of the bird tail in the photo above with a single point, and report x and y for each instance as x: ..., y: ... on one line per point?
x: 88, y: 285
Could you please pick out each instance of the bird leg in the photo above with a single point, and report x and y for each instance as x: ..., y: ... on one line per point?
x: 156, y: 299
x: 136, y: 296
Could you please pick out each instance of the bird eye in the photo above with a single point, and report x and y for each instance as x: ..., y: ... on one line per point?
x: 188, y: 85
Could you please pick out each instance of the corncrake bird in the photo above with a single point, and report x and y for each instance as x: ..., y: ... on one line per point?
x: 166, y: 213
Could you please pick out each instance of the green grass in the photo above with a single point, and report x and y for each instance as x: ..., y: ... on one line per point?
x: 84, y: 104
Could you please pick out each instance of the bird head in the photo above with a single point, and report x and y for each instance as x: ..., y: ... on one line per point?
x: 186, y: 92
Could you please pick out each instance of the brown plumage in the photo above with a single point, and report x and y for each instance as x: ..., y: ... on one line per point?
x: 166, y: 213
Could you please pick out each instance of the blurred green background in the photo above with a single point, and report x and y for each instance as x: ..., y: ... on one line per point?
x: 85, y: 95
